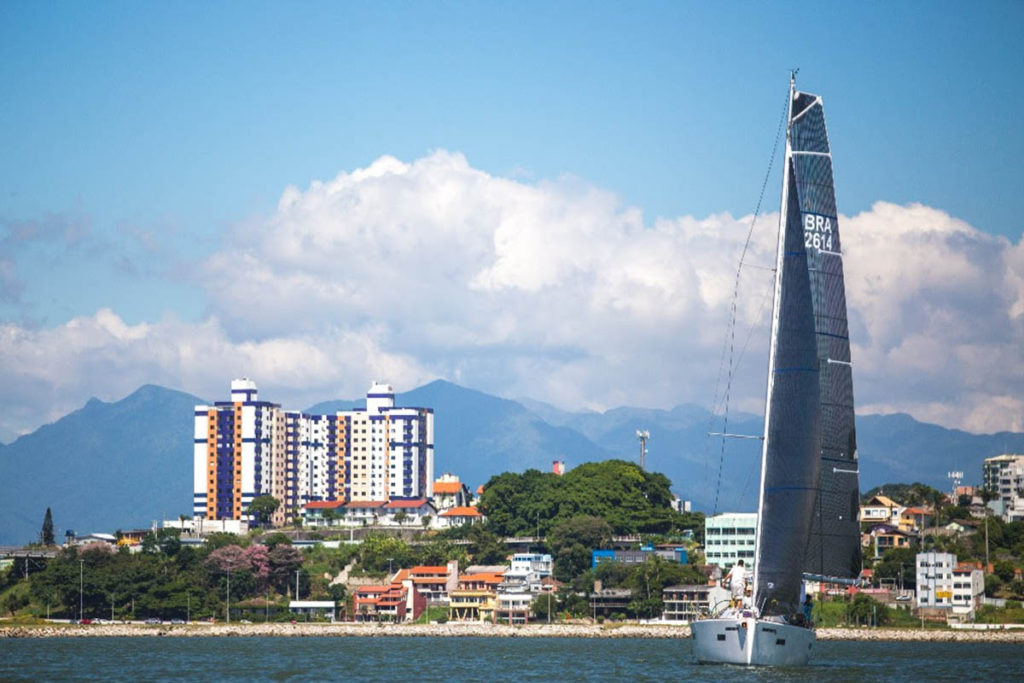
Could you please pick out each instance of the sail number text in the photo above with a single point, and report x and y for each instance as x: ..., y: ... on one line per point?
x: 817, y: 231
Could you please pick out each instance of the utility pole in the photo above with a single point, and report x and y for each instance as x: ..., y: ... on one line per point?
x: 228, y: 606
x: 986, y: 539
x: 297, y: 571
x: 81, y: 586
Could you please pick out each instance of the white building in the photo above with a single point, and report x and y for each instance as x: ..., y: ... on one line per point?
x: 944, y: 583
x: 392, y: 449
x: 244, y: 448
x: 1004, y: 476
x: 538, y: 563
x: 238, y: 454
x: 881, y: 510
x: 729, y: 537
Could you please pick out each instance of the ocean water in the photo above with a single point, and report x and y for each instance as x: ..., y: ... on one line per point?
x: 479, y: 659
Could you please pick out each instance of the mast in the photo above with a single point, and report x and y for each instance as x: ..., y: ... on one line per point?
x: 780, y: 248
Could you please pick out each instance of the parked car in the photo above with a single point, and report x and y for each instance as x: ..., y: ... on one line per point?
x: 153, y: 620
x: 177, y: 621
x: 85, y: 621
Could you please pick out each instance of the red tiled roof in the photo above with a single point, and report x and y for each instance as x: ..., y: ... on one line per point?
x: 447, y: 486
x: 358, y: 504
x: 324, y: 504
x: 463, y: 511
x: 479, y: 489
x: 429, y: 569
x: 418, y: 502
x: 917, y: 511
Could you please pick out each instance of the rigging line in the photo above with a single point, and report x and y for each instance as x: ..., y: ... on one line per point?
x: 735, y: 295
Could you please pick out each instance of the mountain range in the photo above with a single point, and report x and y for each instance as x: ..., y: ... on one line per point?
x: 128, y: 463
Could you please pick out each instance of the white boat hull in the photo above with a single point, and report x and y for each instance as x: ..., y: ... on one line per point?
x: 751, y: 642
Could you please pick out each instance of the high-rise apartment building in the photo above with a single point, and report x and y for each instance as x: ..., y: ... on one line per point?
x: 246, y: 448
x: 392, y: 449
x: 238, y: 454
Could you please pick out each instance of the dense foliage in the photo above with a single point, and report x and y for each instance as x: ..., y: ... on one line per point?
x: 628, y: 498
x: 906, y: 494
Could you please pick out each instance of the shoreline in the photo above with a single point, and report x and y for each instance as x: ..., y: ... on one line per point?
x: 474, y: 630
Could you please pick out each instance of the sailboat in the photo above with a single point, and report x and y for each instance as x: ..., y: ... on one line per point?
x: 807, y: 524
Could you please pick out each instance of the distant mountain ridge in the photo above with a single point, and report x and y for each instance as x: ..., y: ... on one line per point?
x: 127, y: 463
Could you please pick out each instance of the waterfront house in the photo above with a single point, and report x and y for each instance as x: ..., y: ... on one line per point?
x: 513, y: 608
x: 476, y: 596
x: 943, y: 583
x: 397, y: 601
x: 313, y: 608
x: 435, y: 583
x: 610, y: 601
x: 687, y: 602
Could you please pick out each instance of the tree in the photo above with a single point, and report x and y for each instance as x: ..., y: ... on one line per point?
x: 284, y: 559
x: 338, y: 592
x: 46, y: 534
x: 630, y: 499
x: 275, y: 539
x: 1004, y: 570
x: 544, y: 607
x: 863, y: 609
x: 898, y: 564
x: 401, y: 517
x: 572, y: 542
x: 486, y: 546
x: 378, y: 548
x: 263, y: 508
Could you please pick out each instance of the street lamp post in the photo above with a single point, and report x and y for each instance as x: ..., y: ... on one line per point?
x: 81, y: 587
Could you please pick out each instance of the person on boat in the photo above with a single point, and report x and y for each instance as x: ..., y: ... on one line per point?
x: 808, y: 611
x: 737, y: 580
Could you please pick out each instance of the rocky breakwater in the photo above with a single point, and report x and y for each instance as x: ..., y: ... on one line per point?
x: 451, y: 629
x: 920, y: 635
x: 473, y: 630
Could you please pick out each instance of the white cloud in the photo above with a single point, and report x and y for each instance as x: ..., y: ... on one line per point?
x: 48, y: 373
x: 408, y: 271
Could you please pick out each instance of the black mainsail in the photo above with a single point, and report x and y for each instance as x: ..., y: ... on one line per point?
x: 833, y: 548
x: 807, y: 513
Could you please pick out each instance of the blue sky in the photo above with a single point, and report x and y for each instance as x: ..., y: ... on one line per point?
x: 143, y: 140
